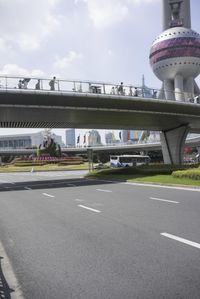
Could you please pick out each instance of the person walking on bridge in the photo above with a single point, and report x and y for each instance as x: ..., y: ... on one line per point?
x: 52, y: 83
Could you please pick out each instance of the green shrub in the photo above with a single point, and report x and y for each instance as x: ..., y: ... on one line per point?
x: 142, y: 170
x: 193, y: 174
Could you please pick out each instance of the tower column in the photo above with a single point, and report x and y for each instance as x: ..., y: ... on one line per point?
x: 186, y: 14
x: 172, y: 142
x: 178, y: 88
x: 168, y: 89
x: 189, y: 88
x: 166, y: 14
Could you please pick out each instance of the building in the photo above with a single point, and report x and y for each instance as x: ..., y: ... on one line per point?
x: 70, y: 137
x: 175, y: 60
x: 26, y: 140
x: 94, y: 138
x: 175, y: 53
x: 111, y: 139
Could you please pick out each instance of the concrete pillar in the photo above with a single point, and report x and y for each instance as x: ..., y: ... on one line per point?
x: 166, y: 14
x: 161, y: 94
x: 178, y: 88
x: 169, y: 89
x: 189, y: 89
x: 186, y: 15
x: 172, y: 142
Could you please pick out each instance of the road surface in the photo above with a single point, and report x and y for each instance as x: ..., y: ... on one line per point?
x: 67, y: 237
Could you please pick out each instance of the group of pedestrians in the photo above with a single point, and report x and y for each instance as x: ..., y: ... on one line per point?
x: 23, y: 84
x: 120, y: 90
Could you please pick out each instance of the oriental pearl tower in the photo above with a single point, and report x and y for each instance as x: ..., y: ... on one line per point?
x: 175, y: 53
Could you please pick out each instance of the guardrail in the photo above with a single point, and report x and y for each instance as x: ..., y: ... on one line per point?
x: 20, y: 83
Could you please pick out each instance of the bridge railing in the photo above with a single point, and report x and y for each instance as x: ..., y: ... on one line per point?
x: 21, y: 84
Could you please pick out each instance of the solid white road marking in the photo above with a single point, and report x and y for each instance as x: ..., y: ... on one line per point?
x: 185, y: 241
x: 10, y: 277
x: 27, y: 188
x: 165, y: 200
x: 195, y: 189
x: 103, y: 190
x: 49, y: 195
x: 87, y: 208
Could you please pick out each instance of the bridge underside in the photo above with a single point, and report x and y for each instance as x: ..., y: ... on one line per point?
x: 70, y: 117
x: 31, y: 109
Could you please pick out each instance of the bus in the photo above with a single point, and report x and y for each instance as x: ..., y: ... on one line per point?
x: 128, y: 160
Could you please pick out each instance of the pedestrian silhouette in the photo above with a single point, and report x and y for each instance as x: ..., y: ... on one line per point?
x: 121, y: 89
x: 20, y: 85
x: 52, y: 83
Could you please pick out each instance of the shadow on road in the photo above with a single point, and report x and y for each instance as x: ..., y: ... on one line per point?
x: 5, y: 290
x: 48, y: 184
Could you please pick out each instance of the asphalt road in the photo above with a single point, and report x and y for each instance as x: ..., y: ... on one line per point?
x: 67, y: 237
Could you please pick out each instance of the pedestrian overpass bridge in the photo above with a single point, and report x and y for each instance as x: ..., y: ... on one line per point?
x: 76, y: 104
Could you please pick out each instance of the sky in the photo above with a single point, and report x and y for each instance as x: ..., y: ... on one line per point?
x: 97, y: 40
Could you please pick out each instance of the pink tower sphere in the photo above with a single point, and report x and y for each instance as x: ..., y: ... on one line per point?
x: 176, y: 51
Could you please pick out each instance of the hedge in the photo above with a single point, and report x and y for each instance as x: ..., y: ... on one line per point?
x: 193, y: 174
x: 143, y: 170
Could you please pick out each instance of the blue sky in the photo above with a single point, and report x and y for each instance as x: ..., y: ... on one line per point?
x: 104, y: 40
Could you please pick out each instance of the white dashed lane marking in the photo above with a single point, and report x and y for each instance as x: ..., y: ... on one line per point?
x: 185, y: 241
x: 48, y: 195
x: 90, y: 209
x: 164, y: 200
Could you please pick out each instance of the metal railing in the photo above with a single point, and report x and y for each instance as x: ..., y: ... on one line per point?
x: 39, y: 85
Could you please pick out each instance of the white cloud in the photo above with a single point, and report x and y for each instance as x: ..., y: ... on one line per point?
x: 27, y: 23
x: 105, y: 13
x: 14, y: 70
x: 68, y: 61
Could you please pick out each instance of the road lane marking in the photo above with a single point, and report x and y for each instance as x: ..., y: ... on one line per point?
x: 49, y: 195
x: 27, y: 188
x: 185, y: 241
x: 165, y: 200
x: 195, y: 189
x: 103, y: 190
x: 87, y: 208
x: 8, y: 277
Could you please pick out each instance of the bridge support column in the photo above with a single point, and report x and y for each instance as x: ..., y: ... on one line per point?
x: 172, y: 142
